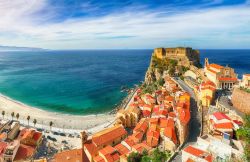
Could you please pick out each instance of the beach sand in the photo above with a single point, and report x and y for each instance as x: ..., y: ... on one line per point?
x: 61, y: 122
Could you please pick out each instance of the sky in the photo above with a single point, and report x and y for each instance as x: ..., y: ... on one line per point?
x: 125, y: 24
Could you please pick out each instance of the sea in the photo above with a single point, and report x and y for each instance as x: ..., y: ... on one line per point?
x: 83, y: 82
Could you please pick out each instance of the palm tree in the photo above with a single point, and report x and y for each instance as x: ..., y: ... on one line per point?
x: 50, y: 124
x: 34, y: 122
x: 3, y: 113
x: 12, y: 115
x: 28, y: 118
x: 17, y: 116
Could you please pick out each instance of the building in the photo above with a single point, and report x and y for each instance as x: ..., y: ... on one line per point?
x: 129, y: 117
x: 191, y: 153
x: 11, y: 129
x: 245, y: 83
x: 184, y: 55
x: 11, y: 150
x: 108, y: 154
x: 3, y: 146
x: 220, y: 124
x: 222, y: 77
x: 109, y: 136
x: 30, y: 137
x: 209, y: 148
x: 69, y: 156
x: 206, y: 93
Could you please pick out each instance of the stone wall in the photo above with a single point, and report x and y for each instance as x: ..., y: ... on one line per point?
x: 241, y: 100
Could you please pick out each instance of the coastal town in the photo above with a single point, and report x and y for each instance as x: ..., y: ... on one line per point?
x: 183, y: 111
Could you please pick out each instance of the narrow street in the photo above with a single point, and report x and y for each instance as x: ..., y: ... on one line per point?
x: 195, y: 122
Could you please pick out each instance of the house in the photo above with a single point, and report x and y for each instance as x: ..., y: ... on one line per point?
x: 245, y: 81
x: 220, y: 123
x: 74, y: 155
x: 206, y: 93
x: 191, y: 153
x: 107, y: 154
x: 3, y: 146
x: 30, y: 137
x: 153, y: 138
x: 222, y: 77
x: 109, y: 136
x: 11, y: 150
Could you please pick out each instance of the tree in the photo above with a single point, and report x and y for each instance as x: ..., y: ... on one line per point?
x: 3, y: 113
x: 12, y: 115
x: 159, y: 156
x: 28, y: 119
x: 244, y: 134
x: 50, y: 124
x: 34, y: 122
x: 134, y: 157
x: 17, y: 116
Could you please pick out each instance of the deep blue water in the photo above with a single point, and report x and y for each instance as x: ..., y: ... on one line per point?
x: 86, y: 82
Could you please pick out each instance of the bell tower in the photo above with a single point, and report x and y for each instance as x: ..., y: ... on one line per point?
x: 206, y: 63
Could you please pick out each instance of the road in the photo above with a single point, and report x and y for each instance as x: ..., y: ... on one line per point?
x: 195, y: 122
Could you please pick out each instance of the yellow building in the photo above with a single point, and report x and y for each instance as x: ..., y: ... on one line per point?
x: 222, y: 77
x: 246, y: 81
x: 206, y: 93
x: 129, y: 117
x: 184, y: 56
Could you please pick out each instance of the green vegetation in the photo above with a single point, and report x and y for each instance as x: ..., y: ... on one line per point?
x: 155, y: 156
x: 245, y: 89
x: 164, y: 65
x: 244, y: 134
x: 150, y: 88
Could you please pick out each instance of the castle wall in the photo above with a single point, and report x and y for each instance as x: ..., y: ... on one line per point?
x: 241, y: 100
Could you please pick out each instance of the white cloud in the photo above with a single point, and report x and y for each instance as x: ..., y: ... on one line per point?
x: 219, y: 28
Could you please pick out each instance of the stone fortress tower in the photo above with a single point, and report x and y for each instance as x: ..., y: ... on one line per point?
x: 185, y: 56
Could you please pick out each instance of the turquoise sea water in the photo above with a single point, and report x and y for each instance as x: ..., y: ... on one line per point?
x: 85, y: 82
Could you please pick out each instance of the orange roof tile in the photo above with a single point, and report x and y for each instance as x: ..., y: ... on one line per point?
x: 198, y: 153
x: 171, y: 134
x: 212, y: 71
x: 142, y: 126
x: 25, y: 152
x: 98, y: 158
x: 220, y: 116
x: 216, y: 66
x: 228, y: 79
x: 141, y: 147
x: 109, y: 134
x: 90, y: 146
x: 3, y: 146
x: 153, y: 138
x: 110, y: 154
x: 223, y: 126
x: 121, y: 149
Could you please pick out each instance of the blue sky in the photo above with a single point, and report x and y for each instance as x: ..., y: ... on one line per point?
x: 97, y: 24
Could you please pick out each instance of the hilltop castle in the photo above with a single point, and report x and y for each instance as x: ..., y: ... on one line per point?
x: 185, y: 56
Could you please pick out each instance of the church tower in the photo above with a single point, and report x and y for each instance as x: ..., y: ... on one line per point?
x: 206, y: 62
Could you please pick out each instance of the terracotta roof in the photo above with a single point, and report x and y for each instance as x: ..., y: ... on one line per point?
x: 220, y: 116
x: 184, y: 115
x: 146, y: 113
x: 142, y: 126
x: 121, y: 149
x: 25, y: 152
x: 228, y: 79
x: 3, y: 146
x: 212, y: 71
x: 223, y: 126
x: 172, y: 114
x: 108, y: 135
x: 141, y: 147
x: 171, y: 134
x: 110, y: 154
x: 216, y: 66
x: 199, y: 153
x: 153, y: 138
x: 90, y: 146
x: 98, y: 158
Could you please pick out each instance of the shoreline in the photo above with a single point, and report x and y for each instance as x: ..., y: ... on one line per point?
x: 65, y: 122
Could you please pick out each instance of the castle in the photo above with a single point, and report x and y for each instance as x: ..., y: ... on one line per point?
x: 185, y: 56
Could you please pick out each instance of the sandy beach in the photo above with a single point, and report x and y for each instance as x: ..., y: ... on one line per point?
x: 61, y: 122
